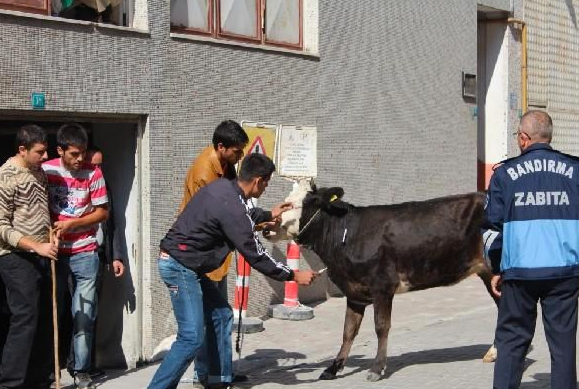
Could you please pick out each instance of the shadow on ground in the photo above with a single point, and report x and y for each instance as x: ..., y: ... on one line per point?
x: 542, y: 381
x: 280, y: 367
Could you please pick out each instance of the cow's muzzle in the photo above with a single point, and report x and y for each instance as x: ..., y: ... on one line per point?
x: 275, y: 234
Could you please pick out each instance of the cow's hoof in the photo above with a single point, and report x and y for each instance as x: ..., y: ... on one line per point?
x: 373, y: 377
x: 491, y: 355
x: 326, y: 375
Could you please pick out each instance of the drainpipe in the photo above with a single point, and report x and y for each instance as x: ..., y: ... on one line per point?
x: 523, y: 62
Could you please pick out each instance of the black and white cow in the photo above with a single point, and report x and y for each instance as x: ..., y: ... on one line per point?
x: 375, y: 252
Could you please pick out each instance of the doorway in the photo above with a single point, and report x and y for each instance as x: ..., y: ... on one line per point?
x: 118, y: 333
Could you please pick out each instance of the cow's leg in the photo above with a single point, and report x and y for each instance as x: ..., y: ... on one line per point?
x: 485, y: 275
x: 354, y: 316
x: 382, y: 316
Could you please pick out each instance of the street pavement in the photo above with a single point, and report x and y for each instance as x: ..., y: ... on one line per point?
x: 437, y: 340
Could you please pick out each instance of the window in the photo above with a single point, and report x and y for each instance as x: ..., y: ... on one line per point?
x: 34, y: 6
x: 117, y: 12
x: 192, y: 15
x: 267, y: 22
x: 100, y: 11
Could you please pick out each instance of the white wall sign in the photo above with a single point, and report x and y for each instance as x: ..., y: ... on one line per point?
x: 298, y: 151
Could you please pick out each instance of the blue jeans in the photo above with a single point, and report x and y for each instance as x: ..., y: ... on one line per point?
x: 202, y: 359
x: 203, y: 317
x: 77, y: 274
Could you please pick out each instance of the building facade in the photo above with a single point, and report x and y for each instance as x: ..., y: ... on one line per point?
x: 385, y: 83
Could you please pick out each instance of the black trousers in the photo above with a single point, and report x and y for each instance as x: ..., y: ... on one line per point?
x: 516, y: 326
x: 27, y: 354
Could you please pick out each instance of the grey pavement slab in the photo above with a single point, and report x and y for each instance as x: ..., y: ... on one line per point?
x: 437, y: 340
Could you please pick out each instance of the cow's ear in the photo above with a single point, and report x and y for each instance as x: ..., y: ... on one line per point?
x: 333, y: 194
x: 332, y: 202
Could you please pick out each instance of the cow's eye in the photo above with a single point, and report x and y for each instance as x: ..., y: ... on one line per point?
x: 309, y: 200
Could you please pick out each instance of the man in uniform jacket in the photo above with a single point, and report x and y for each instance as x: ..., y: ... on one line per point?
x: 533, y: 208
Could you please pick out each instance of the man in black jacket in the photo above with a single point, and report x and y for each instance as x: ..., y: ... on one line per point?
x: 216, y: 221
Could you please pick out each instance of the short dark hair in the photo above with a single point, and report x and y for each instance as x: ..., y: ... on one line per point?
x: 29, y: 135
x: 256, y: 165
x: 71, y: 134
x: 229, y: 133
x: 92, y: 149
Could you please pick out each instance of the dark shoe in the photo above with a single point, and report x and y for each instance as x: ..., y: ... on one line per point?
x: 96, y: 373
x: 239, y: 378
x: 83, y: 381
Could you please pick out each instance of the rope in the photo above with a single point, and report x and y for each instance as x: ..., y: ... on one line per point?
x: 308, y: 223
x: 334, y: 198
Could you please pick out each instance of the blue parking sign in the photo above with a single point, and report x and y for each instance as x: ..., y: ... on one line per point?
x: 38, y: 100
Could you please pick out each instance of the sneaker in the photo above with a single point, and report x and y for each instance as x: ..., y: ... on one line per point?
x: 83, y: 381
x: 194, y: 381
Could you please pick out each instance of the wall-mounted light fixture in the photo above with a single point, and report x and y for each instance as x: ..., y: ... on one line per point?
x: 468, y: 85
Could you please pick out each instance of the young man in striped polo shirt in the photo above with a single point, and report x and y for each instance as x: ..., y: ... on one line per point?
x: 78, y: 202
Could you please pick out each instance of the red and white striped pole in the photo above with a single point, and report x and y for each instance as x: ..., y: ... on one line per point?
x: 241, y: 287
x: 291, y: 298
x: 241, y: 299
x: 291, y: 309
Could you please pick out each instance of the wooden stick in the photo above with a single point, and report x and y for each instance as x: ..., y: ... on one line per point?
x: 54, y: 317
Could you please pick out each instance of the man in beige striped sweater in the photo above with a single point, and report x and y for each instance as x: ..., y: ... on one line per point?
x: 24, y: 225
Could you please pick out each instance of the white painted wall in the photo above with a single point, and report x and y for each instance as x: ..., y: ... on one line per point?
x: 496, y: 100
x: 119, y: 330
x: 493, y: 97
x: 139, y: 15
x: 310, y: 26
